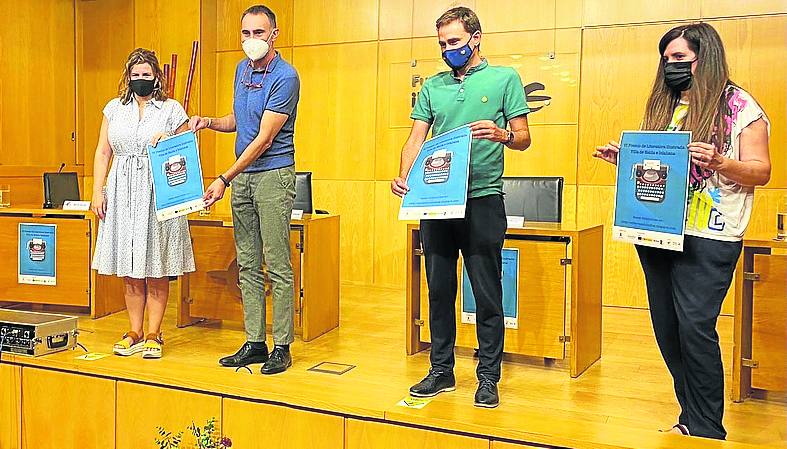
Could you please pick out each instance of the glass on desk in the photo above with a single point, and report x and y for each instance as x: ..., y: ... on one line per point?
x: 781, y: 220
x: 5, y: 195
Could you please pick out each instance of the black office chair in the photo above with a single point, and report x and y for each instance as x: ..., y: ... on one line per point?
x: 536, y: 198
x: 60, y: 187
x: 303, y: 193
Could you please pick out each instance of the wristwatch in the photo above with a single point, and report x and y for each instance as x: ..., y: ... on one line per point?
x: 510, y: 138
x: 224, y: 180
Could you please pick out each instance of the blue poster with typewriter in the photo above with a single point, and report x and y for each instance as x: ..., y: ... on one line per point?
x: 438, y: 178
x: 37, y: 254
x: 177, y: 176
x: 510, y: 291
x: 651, y: 188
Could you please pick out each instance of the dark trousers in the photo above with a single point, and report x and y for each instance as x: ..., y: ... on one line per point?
x: 480, y: 237
x: 685, y: 292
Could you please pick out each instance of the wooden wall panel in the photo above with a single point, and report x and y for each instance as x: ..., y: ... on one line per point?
x: 551, y: 153
x: 37, y: 83
x: 755, y: 53
x: 730, y: 8
x: 519, y: 15
x: 528, y: 52
x: 615, y: 87
x: 375, y: 435
x: 396, y: 19
x: 334, y: 21
x: 284, y: 427
x: 49, y: 391
x: 425, y: 14
x: 766, y: 204
x: 10, y: 406
x: 612, y: 12
x: 390, y: 238
x: 334, y: 133
x: 100, y: 64
x: 354, y: 201
x: 228, y: 16
x: 153, y: 30
x: 393, y: 106
x: 141, y: 408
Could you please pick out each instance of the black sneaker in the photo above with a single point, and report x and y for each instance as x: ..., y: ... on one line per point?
x: 486, y: 394
x: 246, y: 355
x: 434, y: 383
x: 278, y: 362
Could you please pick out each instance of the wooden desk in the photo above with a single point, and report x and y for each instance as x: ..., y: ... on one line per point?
x: 560, y: 274
x: 212, y: 292
x: 77, y: 286
x: 760, y: 332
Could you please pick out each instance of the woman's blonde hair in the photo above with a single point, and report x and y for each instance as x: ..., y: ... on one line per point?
x: 707, y: 105
x: 142, y: 56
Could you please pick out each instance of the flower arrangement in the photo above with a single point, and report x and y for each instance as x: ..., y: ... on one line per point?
x: 205, y: 437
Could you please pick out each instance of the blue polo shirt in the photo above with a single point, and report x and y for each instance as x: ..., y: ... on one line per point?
x: 278, y: 92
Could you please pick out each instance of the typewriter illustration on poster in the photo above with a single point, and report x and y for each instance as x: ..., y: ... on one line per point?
x: 37, y: 248
x: 650, y: 180
x: 175, y: 170
x: 437, y: 167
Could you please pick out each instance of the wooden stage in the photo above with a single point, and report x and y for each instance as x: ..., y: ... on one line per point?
x: 115, y: 402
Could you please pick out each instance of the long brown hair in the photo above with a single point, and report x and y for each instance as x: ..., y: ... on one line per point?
x: 142, y: 56
x: 707, y: 103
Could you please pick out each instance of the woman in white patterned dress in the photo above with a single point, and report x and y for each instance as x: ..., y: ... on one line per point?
x: 131, y: 243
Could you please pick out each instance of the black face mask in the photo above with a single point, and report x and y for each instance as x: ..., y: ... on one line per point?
x: 677, y: 75
x: 141, y: 87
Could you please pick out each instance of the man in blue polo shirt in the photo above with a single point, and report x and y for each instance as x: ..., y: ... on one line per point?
x: 263, y: 187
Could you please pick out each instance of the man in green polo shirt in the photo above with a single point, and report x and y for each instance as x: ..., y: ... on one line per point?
x: 486, y: 97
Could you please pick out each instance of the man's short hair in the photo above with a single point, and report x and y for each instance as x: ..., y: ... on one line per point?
x: 465, y: 15
x: 258, y: 10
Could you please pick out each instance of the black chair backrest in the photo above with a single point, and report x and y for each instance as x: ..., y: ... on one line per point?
x: 59, y: 188
x: 303, y: 192
x: 537, y: 198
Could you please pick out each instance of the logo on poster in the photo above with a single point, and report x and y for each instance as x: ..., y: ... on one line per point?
x: 650, y: 180
x: 37, y: 249
x: 175, y: 170
x: 437, y: 167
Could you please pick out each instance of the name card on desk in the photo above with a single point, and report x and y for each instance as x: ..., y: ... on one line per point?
x: 76, y: 205
x: 297, y: 214
x: 515, y: 221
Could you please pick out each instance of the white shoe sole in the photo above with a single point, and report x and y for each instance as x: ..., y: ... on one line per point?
x: 151, y: 355
x: 130, y: 351
x: 477, y: 404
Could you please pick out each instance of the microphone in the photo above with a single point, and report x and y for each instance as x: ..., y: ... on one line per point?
x: 61, y: 167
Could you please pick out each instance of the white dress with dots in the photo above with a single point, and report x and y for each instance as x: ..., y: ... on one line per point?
x: 131, y: 241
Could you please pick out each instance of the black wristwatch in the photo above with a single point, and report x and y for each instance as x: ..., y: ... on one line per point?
x: 224, y: 180
x: 511, y: 137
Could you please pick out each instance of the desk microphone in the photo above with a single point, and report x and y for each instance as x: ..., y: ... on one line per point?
x: 61, y: 167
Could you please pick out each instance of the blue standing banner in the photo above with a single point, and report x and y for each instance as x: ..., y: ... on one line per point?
x: 652, y: 188
x: 177, y: 176
x: 438, y: 178
x: 510, y: 291
x: 37, y: 254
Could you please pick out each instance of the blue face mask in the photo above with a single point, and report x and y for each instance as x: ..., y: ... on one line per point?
x: 457, y: 58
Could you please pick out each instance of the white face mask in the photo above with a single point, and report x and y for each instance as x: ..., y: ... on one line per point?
x: 255, y: 49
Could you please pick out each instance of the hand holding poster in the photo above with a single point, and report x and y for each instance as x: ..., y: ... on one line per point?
x: 651, y: 189
x: 438, y: 178
x: 177, y: 176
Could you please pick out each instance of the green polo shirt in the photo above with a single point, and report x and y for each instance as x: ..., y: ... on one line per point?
x: 486, y: 93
